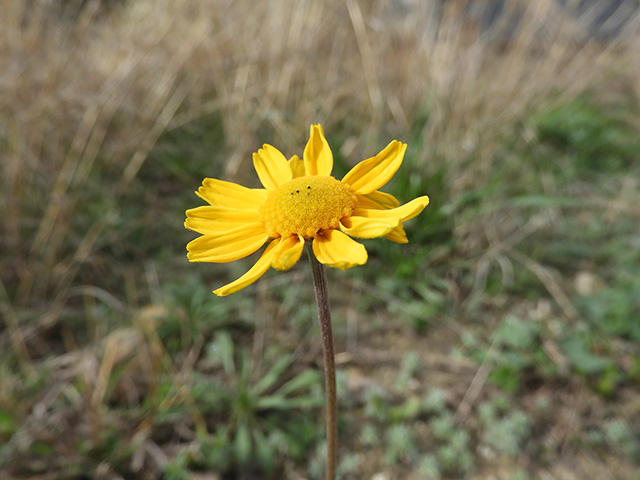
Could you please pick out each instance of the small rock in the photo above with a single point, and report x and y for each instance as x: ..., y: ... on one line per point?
x: 380, y: 476
x: 587, y: 283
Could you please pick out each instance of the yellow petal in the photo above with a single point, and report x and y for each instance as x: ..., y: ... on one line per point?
x: 258, y: 269
x: 297, y: 166
x: 229, y: 245
x: 335, y: 249
x: 405, y: 212
x: 216, y: 220
x: 221, y: 193
x: 371, y: 174
x: 272, y: 167
x: 378, y: 200
x: 288, y: 252
x: 397, y: 235
x: 362, y: 227
x: 318, y: 159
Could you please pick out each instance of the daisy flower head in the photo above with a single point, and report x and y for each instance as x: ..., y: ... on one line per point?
x: 300, y: 202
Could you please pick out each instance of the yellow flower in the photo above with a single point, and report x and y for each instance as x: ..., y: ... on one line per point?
x: 301, y: 202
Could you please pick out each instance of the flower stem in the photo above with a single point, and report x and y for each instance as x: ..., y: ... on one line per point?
x: 324, y: 317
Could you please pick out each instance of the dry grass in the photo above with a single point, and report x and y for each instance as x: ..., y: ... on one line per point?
x: 88, y: 97
x: 104, y: 87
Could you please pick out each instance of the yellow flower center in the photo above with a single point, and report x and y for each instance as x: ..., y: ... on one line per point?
x: 306, y: 206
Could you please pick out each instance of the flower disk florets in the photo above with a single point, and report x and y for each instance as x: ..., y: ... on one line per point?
x: 306, y: 206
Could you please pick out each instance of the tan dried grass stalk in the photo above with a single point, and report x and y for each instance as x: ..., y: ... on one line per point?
x: 100, y: 90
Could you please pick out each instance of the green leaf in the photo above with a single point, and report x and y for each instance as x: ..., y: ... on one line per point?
x: 220, y: 351
x: 245, y: 369
x: 265, y: 452
x: 7, y: 423
x: 408, y: 410
x: 306, y: 379
x: 242, y: 443
x: 516, y: 333
x: 272, y: 376
x: 577, y: 350
x: 609, y: 381
x: 505, y: 377
x: 278, y: 402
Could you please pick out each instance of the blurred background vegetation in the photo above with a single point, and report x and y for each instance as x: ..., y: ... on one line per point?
x: 501, y: 343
